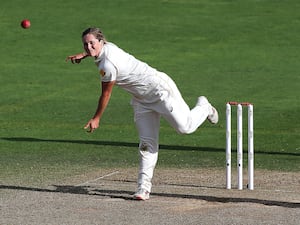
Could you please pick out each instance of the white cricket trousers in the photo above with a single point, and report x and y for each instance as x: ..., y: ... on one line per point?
x: 174, y: 109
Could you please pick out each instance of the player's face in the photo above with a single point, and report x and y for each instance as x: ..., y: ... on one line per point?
x: 92, y: 45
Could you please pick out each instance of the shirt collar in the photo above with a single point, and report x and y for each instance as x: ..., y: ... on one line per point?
x: 101, y: 55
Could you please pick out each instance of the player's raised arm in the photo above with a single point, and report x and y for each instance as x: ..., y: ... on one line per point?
x: 77, y: 58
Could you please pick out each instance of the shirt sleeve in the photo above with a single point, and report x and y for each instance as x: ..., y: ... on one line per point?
x: 108, y: 72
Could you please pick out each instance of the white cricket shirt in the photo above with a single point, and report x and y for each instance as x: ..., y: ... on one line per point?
x: 131, y: 74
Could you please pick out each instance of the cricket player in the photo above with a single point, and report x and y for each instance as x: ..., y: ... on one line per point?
x: 154, y: 95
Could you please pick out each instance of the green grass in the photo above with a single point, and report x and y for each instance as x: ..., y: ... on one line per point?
x: 227, y: 50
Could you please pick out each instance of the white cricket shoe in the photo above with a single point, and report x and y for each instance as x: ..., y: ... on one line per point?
x: 141, y: 194
x: 213, y: 115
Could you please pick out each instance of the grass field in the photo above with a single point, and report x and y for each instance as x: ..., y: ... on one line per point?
x: 244, y: 50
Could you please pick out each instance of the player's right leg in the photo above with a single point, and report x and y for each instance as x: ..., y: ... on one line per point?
x: 175, y: 110
x: 183, y: 119
x: 213, y: 115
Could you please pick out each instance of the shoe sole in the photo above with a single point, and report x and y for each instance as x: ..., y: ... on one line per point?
x: 140, y: 198
x: 215, y: 118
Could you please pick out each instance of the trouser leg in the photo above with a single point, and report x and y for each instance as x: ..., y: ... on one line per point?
x: 147, y: 123
x: 175, y: 110
x: 184, y: 120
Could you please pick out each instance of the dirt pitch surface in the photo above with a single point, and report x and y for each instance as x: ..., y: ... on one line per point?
x: 179, y: 196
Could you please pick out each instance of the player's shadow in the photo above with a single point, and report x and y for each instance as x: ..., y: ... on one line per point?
x: 127, y: 195
x: 135, y: 145
x: 111, y: 143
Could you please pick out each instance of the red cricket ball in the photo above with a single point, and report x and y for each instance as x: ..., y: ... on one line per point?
x: 25, y: 23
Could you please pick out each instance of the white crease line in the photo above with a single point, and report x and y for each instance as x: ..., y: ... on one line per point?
x: 99, y: 178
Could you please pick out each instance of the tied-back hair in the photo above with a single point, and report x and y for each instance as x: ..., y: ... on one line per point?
x: 96, y: 32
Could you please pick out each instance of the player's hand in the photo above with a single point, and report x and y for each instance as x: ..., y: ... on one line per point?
x: 76, y: 58
x: 92, y: 125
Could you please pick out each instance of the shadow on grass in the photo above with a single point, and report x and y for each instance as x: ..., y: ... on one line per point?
x: 135, y: 145
x: 127, y: 195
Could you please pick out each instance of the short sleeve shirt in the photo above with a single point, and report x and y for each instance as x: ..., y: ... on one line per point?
x: 131, y: 74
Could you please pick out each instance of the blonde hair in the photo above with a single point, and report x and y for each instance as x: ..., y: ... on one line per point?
x: 96, y: 32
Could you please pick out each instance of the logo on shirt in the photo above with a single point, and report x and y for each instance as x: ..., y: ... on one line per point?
x: 102, y: 72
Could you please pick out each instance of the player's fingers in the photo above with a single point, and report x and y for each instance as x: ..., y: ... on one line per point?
x: 91, y: 130
x: 70, y: 58
x: 87, y: 125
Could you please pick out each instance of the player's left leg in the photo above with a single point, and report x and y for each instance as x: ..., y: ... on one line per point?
x: 147, y: 123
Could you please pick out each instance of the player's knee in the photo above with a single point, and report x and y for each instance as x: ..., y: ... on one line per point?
x: 148, y: 145
x: 185, y: 128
